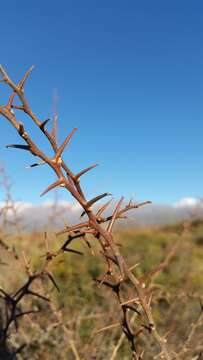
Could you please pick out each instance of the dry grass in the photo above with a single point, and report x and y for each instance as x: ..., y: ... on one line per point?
x: 74, y: 318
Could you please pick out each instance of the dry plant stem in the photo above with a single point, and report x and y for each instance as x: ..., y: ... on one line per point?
x: 9, y: 206
x: 188, y: 341
x: 120, y: 340
x: 74, y: 350
x: 118, y: 345
x: 70, y: 181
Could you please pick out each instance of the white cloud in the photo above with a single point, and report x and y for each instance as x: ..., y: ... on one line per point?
x: 187, y: 202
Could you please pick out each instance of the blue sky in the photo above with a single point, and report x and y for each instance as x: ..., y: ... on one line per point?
x: 129, y: 75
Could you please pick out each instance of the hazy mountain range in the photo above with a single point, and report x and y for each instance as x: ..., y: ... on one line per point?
x: 57, y: 214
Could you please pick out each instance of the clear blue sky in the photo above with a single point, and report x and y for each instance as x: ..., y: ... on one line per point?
x: 129, y: 75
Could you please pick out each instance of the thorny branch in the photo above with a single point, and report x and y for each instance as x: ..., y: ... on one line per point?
x: 117, y: 274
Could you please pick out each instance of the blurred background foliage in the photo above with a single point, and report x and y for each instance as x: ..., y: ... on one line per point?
x: 69, y: 326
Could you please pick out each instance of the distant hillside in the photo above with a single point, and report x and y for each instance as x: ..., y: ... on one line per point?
x: 62, y: 213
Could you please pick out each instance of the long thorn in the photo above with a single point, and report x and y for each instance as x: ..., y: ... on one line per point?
x: 103, y: 208
x: 53, y: 281
x: 113, y: 219
x: 52, y: 186
x: 82, y: 172
x: 42, y: 162
x: 62, y: 147
x: 73, y: 251
x: 73, y: 228
x: 16, y: 146
x: 92, y: 201
x: 42, y: 125
x: 27, y: 74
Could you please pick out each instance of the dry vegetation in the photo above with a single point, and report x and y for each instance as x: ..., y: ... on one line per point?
x: 88, y: 292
